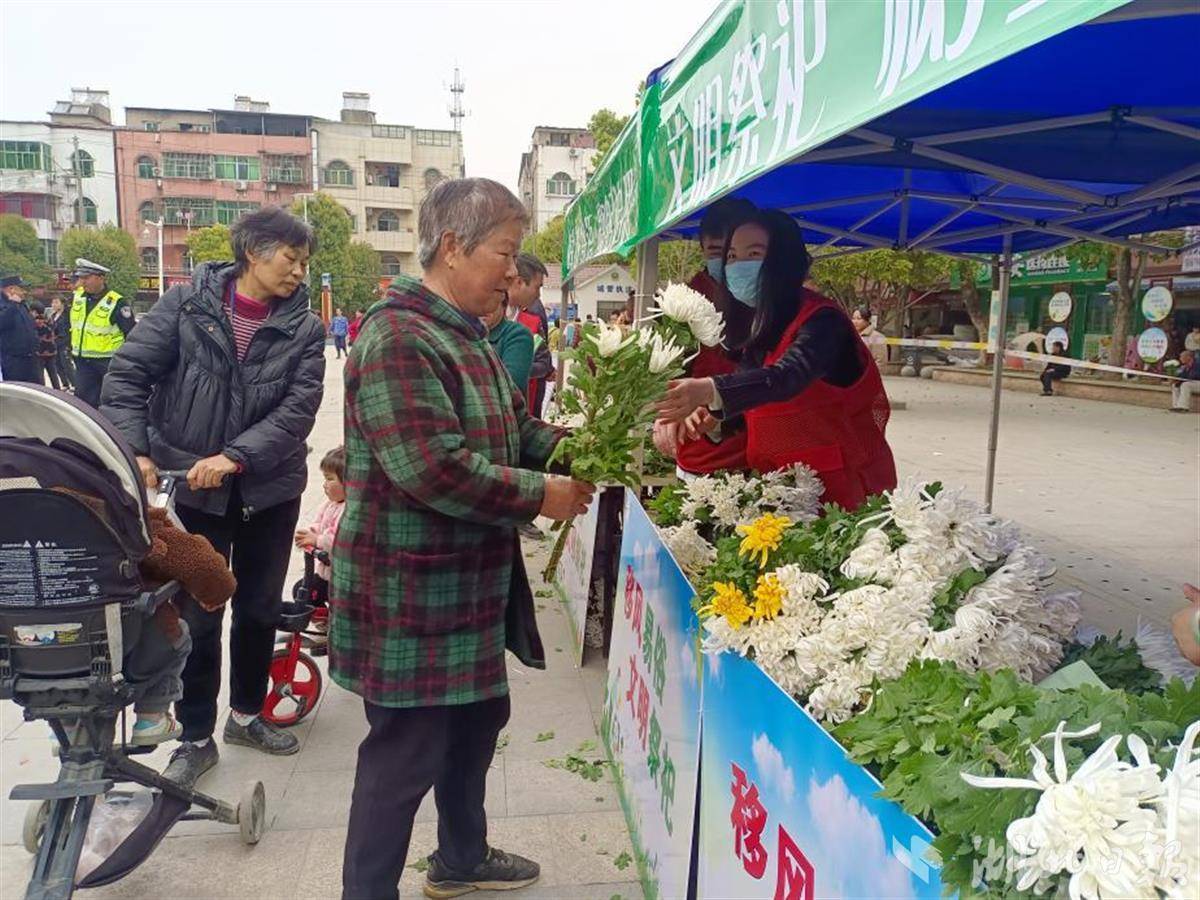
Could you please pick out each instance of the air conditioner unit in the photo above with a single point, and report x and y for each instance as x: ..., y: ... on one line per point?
x: 157, y: 172
x: 271, y: 186
x: 573, y: 152
x: 241, y: 186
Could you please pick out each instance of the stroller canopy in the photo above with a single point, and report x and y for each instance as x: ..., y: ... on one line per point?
x: 32, y: 412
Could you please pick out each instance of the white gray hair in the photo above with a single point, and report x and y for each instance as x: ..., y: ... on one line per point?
x: 471, y: 208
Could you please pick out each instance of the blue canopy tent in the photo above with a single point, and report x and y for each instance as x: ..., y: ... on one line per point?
x: 1090, y: 134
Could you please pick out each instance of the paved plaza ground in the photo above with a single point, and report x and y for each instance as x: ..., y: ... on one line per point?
x: 1111, y: 493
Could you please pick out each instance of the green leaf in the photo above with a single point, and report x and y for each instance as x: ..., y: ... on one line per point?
x: 622, y: 862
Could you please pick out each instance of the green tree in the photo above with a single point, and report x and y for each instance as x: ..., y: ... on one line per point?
x: 110, y: 246
x: 21, y: 251
x: 210, y: 244
x: 361, y: 279
x: 888, y: 281
x: 605, y: 126
x: 331, y: 223
x: 547, y: 244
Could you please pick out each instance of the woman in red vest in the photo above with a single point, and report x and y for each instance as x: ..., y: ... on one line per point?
x: 805, y: 389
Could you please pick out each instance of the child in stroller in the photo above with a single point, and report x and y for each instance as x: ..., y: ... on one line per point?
x: 83, y: 635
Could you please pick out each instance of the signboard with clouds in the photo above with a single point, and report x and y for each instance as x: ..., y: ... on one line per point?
x: 784, y: 813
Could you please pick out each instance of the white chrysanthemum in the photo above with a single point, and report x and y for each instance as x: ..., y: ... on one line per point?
x: 611, y: 339
x: 693, y: 553
x: 1179, y: 819
x: 681, y: 303
x: 837, y: 698
x: 663, y: 354
x: 1093, y: 825
x: 794, y: 491
x: 867, y: 559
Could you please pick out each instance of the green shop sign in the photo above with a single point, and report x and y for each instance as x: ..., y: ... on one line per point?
x: 1049, y: 268
x: 761, y: 83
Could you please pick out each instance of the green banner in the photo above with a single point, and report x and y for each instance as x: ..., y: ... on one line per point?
x: 1048, y: 268
x: 764, y: 82
x: 603, y: 218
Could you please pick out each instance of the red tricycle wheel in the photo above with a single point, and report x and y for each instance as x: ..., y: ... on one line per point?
x: 295, y: 687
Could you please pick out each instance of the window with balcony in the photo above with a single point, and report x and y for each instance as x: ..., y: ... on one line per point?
x: 147, y: 212
x: 433, y: 138
x: 82, y: 164
x: 338, y: 174
x: 197, y: 212
x: 286, y: 169
x: 28, y: 156
x: 560, y: 185
x: 197, y: 166
x: 559, y: 139
x: 387, y: 220
x: 432, y: 178
x: 390, y: 263
x: 383, y: 175
x: 91, y: 215
x: 149, y: 259
x: 237, y: 168
x: 229, y: 211
x: 146, y: 167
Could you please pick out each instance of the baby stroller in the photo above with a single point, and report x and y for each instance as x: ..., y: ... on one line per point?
x: 71, y: 604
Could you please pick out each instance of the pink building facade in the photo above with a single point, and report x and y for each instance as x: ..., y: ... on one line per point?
x: 189, y: 169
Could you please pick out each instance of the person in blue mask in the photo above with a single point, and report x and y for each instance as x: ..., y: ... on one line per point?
x: 806, y: 388
x: 697, y: 457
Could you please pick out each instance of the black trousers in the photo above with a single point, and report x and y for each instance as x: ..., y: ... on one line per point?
x: 89, y: 376
x: 259, y: 547
x: 1049, y: 376
x: 406, y: 752
x: 22, y: 368
x: 50, y: 371
x: 66, y: 371
x: 339, y: 344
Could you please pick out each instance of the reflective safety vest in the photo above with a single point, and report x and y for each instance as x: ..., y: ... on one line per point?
x: 95, y: 335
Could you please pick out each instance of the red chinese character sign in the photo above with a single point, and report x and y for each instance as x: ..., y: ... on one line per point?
x: 784, y: 814
x: 652, y: 711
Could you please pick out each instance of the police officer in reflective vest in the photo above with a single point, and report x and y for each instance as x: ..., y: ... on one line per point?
x: 100, y: 319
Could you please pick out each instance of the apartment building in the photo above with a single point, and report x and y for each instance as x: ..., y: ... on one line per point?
x: 380, y: 173
x: 553, y: 170
x: 61, y: 173
x: 192, y: 168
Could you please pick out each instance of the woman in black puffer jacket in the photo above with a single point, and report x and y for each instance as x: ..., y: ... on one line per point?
x: 223, y: 378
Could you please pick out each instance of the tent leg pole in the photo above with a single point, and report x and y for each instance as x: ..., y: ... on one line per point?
x: 998, y: 373
x: 647, y: 280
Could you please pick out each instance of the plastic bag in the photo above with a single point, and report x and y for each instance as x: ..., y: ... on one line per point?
x: 113, y: 819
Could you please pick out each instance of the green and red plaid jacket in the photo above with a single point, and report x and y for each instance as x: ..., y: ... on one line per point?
x: 440, y: 454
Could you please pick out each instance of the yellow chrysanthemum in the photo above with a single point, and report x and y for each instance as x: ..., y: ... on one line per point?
x: 762, y: 536
x: 729, y: 601
x: 768, y: 597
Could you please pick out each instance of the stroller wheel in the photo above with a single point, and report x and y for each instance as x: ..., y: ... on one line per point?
x: 34, y: 826
x: 252, y: 812
x: 295, y: 688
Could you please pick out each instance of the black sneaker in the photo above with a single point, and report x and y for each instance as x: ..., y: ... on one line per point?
x: 190, y: 761
x: 499, y: 871
x: 261, y: 735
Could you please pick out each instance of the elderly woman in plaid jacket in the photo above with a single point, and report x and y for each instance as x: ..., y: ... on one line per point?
x: 443, y: 464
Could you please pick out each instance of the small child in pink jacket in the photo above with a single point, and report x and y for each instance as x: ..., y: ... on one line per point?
x: 320, y: 534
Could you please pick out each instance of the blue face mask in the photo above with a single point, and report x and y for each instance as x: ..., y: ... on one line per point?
x: 714, y: 266
x: 742, y: 279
